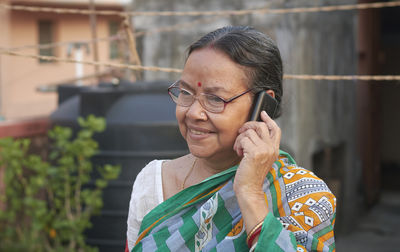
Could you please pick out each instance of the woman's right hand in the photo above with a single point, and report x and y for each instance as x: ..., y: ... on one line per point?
x: 258, y: 145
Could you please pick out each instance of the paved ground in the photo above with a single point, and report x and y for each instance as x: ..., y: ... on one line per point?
x: 379, y: 230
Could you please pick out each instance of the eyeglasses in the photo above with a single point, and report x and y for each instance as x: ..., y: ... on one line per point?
x: 211, y: 103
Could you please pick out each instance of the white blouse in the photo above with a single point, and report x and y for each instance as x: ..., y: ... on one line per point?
x: 147, y: 193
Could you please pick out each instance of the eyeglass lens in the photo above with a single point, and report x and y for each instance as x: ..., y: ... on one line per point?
x: 211, y: 103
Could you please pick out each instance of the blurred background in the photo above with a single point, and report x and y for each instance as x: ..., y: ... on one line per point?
x: 62, y: 59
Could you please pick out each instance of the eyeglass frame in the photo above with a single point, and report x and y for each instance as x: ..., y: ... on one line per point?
x: 195, y: 97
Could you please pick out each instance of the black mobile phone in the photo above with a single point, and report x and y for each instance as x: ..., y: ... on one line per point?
x: 263, y: 101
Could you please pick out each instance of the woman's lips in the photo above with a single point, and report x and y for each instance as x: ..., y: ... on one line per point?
x: 198, y: 133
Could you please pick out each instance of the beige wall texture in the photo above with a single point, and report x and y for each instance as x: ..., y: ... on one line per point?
x: 20, y: 77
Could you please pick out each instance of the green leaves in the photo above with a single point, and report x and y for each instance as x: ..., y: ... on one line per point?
x: 95, y: 124
x: 48, y: 203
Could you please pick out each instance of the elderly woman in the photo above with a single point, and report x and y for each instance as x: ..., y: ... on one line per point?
x: 235, y: 190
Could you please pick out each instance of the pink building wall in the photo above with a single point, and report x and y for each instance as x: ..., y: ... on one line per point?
x: 20, y: 77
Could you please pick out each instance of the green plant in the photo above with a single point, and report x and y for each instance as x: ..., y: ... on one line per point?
x: 47, y: 204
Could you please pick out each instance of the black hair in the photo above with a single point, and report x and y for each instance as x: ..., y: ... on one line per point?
x: 252, y: 49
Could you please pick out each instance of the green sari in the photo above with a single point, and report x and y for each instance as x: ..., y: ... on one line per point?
x: 207, y: 217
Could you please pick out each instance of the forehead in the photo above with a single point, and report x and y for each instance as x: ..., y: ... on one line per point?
x: 206, y: 88
x: 214, y: 70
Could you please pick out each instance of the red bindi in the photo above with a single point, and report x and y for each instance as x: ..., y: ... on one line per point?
x: 199, y: 84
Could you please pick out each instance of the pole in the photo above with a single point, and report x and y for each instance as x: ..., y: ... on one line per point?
x: 93, y: 25
x: 134, y: 55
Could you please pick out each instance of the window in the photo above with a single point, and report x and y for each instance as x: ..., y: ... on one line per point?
x: 113, y: 27
x: 46, y: 35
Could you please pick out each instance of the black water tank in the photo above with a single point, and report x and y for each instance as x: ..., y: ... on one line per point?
x: 141, y: 126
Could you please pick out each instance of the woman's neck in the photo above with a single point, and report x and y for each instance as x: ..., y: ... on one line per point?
x: 207, y: 167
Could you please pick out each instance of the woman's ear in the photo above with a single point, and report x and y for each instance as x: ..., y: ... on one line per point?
x: 271, y: 93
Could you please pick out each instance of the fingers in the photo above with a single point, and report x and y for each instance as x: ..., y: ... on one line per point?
x: 250, y: 137
x: 263, y: 128
x: 257, y: 134
x: 273, y: 128
x: 243, y: 145
x: 259, y: 128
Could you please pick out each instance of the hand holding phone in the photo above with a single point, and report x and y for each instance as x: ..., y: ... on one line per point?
x: 257, y: 144
x: 263, y: 101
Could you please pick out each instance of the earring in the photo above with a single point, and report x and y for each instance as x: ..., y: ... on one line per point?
x: 202, y: 114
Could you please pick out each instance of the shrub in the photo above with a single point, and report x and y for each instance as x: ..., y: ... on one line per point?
x: 47, y: 204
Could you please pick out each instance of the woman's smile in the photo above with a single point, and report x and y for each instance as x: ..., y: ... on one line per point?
x: 198, y: 133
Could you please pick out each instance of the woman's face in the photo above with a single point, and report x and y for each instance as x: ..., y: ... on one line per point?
x: 212, y: 135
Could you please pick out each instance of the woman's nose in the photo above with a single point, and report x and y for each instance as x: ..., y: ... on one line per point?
x: 196, y: 111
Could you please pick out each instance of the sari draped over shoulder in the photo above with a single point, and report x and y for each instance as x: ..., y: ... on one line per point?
x: 207, y: 217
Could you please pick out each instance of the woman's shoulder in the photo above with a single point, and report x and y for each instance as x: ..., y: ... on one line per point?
x: 173, y: 163
x: 297, y: 185
x: 150, y: 168
x: 147, y: 188
x: 172, y: 168
x: 300, y: 200
x: 286, y: 169
x: 291, y: 174
x: 148, y: 173
x: 172, y: 172
x: 150, y: 179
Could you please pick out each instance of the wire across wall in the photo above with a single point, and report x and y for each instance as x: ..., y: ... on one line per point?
x: 210, y: 16
x: 177, y: 70
x: 347, y: 7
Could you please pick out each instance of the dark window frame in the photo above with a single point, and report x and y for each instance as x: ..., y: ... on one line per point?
x: 46, y: 35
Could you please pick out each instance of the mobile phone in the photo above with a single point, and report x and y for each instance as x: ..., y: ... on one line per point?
x: 263, y: 101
